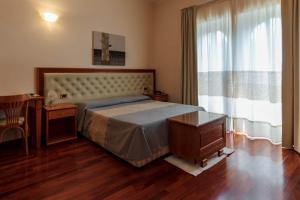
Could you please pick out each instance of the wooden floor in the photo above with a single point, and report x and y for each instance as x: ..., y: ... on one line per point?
x: 82, y: 170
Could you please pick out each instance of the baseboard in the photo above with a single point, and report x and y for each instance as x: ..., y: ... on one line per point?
x: 297, y: 149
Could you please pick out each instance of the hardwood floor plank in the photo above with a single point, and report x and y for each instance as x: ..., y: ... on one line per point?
x: 81, y: 170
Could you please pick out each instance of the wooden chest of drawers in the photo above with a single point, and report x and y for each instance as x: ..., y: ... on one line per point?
x: 196, y: 136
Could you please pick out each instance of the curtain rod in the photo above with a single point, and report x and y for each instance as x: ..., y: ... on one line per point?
x: 208, y: 2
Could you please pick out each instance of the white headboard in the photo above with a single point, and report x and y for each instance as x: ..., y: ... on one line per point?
x: 81, y: 84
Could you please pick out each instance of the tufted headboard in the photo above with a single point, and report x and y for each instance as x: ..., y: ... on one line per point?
x: 81, y: 84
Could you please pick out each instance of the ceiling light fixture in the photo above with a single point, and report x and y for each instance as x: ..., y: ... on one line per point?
x: 50, y: 17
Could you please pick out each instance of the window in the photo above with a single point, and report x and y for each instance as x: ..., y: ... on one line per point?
x: 239, y: 64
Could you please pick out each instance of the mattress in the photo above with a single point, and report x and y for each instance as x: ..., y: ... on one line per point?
x: 133, y: 128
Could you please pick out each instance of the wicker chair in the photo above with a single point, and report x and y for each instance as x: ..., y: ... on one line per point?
x: 15, y: 111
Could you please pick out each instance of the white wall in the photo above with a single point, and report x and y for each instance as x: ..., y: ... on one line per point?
x: 26, y: 41
x: 166, y: 44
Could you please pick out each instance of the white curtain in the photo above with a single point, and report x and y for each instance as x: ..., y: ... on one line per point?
x: 240, y: 63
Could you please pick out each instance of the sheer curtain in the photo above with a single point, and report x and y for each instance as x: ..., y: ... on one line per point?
x: 239, y: 64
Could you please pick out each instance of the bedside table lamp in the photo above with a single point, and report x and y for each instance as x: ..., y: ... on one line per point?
x: 52, y: 96
x: 147, y: 91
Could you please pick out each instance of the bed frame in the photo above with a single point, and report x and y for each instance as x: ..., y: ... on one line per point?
x: 88, y: 83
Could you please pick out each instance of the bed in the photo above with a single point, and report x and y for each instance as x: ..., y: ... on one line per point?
x: 133, y: 128
x: 112, y: 112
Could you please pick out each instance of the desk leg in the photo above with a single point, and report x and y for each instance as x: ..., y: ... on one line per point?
x: 38, y: 124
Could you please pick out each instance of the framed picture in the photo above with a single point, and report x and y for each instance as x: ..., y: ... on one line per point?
x: 108, y: 49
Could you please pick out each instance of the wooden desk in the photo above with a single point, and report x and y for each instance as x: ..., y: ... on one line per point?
x: 35, y: 119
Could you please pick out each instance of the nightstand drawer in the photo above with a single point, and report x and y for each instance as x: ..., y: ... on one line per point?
x: 61, y: 113
x: 159, y: 97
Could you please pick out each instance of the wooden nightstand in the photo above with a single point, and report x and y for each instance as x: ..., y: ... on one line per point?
x: 60, y: 123
x: 159, y: 97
